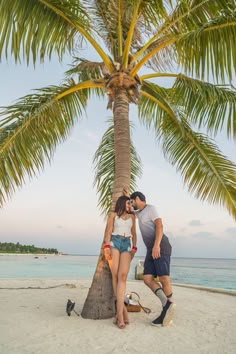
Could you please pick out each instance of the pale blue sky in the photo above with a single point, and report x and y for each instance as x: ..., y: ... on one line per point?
x: 59, y: 207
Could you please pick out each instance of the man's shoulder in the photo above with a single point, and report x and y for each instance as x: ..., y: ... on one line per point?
x: 151, y: 207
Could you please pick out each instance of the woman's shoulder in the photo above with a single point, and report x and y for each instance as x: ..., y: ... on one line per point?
x: 132, y: 216
x: 112, y: 215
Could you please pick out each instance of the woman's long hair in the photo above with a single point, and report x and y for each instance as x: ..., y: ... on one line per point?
x: 120, y: 207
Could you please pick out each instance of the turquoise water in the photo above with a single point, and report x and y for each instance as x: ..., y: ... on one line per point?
x: 214, y: 273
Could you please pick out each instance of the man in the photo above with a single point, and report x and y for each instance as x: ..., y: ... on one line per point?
x: 157, y: 261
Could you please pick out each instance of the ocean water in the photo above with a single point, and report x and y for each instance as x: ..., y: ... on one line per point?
x: 213, y: 273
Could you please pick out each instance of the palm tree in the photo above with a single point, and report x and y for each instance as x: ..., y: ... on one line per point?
x: 190, y: 41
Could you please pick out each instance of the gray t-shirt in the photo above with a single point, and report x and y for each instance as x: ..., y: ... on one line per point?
x: 146, y: 219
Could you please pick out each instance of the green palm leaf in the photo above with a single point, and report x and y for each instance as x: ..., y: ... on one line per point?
x: 207, y: 56
x: 155, y: 101
x: 208, y: 106
x: 185, y: 17
x: 189, y: 14
x: 207, y: 173
x: 31, y: 130
x: 112, y: 20
x: 87, y: 70
x: 40, y: 27
x: 104, y: 162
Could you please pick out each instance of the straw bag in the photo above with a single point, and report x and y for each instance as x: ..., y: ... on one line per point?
x: 132, y: 303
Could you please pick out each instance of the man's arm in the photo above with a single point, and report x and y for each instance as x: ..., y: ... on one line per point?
x: 156, y: 252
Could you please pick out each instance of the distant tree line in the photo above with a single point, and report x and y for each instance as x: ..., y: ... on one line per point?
x: 9, y: 247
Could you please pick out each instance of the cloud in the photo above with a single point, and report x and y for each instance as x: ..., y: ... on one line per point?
x: 195, y: 223
x: 91, y: 135
x: 231, y: 230
x: 203, y: 234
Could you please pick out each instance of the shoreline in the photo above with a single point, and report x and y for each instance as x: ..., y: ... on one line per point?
x: 97, y: 255
x: 182, y: 285
x: 30, y: 254
x: 52, y: 265
x: 35, y: 321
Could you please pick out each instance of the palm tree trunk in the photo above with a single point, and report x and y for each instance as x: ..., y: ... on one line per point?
x: 122, y: 144
x: 100, y: 303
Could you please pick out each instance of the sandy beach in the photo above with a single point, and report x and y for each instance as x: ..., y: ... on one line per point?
x: 35, y: 321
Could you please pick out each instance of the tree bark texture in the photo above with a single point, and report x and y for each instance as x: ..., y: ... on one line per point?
x: 122, y: 143
x: 100, y: 301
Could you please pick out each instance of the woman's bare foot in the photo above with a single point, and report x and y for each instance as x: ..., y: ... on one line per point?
x: 120, y: 325
x: 125, y: 314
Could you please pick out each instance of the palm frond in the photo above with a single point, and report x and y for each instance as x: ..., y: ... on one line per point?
x: 130, y: 33
x: 31, y: 130
x: 206, y: 172
x: 40, y: 28
x: 207, y: 105
x: 154, y: 102
x: 104, y: 162
x: 210, y: 49
x: 204, y: 49
x: 184, y: 17
x: 164, y: 59
x: 111, y: 20
x: 85, y: 70
x: 189, y: 14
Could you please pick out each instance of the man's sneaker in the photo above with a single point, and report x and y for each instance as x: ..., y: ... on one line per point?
x: 158, y: 321
x: 168, y: 313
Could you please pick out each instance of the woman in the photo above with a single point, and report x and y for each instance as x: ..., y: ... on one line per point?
x: 119, y: 249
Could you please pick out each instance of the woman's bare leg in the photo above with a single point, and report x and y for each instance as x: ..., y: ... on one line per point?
x: 124, y: 265
x: 114, y: 266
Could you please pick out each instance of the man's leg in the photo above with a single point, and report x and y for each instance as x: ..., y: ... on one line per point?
x: 160, y: 267
x: 166, y: 285
x: 154, y: 286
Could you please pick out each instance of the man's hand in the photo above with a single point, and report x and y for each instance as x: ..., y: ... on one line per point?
x: 107, y: 254
x: 156, y: 252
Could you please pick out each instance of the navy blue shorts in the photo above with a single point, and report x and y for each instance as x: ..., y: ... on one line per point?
x: 156, y: 267
x: 122, y: 244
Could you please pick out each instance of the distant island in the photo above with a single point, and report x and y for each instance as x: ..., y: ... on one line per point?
x: 9, y: 247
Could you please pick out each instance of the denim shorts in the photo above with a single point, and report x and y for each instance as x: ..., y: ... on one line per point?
x: 122, y: 244
x: 156, y: 267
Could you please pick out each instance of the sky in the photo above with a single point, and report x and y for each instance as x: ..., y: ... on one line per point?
x: 58, y: 207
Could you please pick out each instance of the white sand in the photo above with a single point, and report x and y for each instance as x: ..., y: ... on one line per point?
x: 35, y: 321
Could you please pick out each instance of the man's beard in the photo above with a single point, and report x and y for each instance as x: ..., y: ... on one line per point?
x: 135, y: 207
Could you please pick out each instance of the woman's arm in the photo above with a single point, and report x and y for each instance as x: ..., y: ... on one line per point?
x: 134, y: 236
x: 109, y: 228
x: 107, y: 236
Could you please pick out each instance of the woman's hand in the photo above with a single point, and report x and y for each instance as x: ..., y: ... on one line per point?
x: 107, y: 254
x: 132, y: 252
x: 126, y: 191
